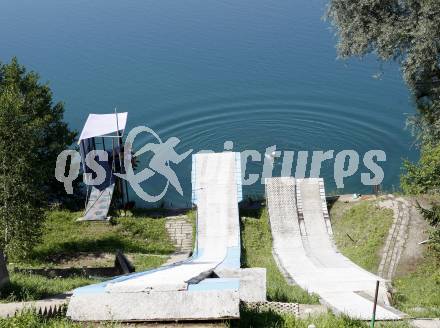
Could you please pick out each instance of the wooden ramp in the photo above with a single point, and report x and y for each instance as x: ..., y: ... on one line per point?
x: 305, y: 251
x: 100, y: 197
x: 99, y: 204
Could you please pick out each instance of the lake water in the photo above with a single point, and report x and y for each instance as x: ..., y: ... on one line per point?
x: 258, y: 73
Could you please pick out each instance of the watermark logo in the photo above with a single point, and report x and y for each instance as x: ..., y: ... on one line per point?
x: 346, y: 164
x: 163, y: 154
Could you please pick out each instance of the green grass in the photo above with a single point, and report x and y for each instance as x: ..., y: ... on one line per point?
x: 144, y: 262
x: 25, y: 287
x: 192, y: 218
x: 269, y: 319
x: 418, y: 293
x: 257, y: 252
x: 367, y: 225
x: 64, y: 237
x: 145, y: 239
x: 30, y: 319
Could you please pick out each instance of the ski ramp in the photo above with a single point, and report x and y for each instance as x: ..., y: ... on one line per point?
x: 305, y: 251
x: 100, y: 196
x: 185, y: 290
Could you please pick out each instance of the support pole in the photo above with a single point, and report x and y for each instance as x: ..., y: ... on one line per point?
x: 83, y: 161
x: 121, y: 182
x: 373, y: 318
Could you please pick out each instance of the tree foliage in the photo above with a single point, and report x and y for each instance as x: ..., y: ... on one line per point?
x: 432, y: 215
x: 32, y: 134
x: 406, y: 31
x: 423, y: 177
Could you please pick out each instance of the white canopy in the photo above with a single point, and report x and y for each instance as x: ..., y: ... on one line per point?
x: 101, y: 124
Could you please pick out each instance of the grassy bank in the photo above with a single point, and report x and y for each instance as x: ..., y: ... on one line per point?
x: 360, y: 231
x: 418, y: 293
x: 31, y: 320
x: 63, y: 237
x: 26, y: 287
x: 67, y: 243
x: 257, y: 252
x: 415, y: 293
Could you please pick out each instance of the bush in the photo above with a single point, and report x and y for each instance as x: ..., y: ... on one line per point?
x: 32, y: 134
x: 423, y: 176
x: 433, y: 217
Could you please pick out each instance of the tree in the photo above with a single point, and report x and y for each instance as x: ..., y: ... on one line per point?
x: 423, y: 177
x: 32, y: 134
x: 432, y: 215
x: 408, y: 32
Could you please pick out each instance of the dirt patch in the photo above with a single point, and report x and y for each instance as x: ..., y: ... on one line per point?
x: 82, y: 259
x: 96, y: 259
x: 413, y: 252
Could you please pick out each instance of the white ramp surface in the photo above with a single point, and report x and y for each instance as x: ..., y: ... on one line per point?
x: 305, y: 251
x: 183, y: 291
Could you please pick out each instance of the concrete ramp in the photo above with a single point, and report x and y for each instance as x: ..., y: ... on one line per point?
x: 306, y: 253
x: 186, y: 290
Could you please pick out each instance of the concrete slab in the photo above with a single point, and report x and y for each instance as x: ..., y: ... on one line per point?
x: 156, y: 306
x: 252, y: 282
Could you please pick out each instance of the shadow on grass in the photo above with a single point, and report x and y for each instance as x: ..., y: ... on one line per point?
x: 159, y: 212
x: 254, y: 318
x: 331, y: 200
x: 64, y: 251
x: 27, y: 287
x: 252, y: 206
x: 15, y: 291
x: 247, y: 210
x: 243, y: 253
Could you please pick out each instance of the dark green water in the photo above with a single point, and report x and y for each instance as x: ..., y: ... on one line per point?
x: 259, y: 73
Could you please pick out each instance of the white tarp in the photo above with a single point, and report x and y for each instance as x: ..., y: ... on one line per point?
x: 101, y: 124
